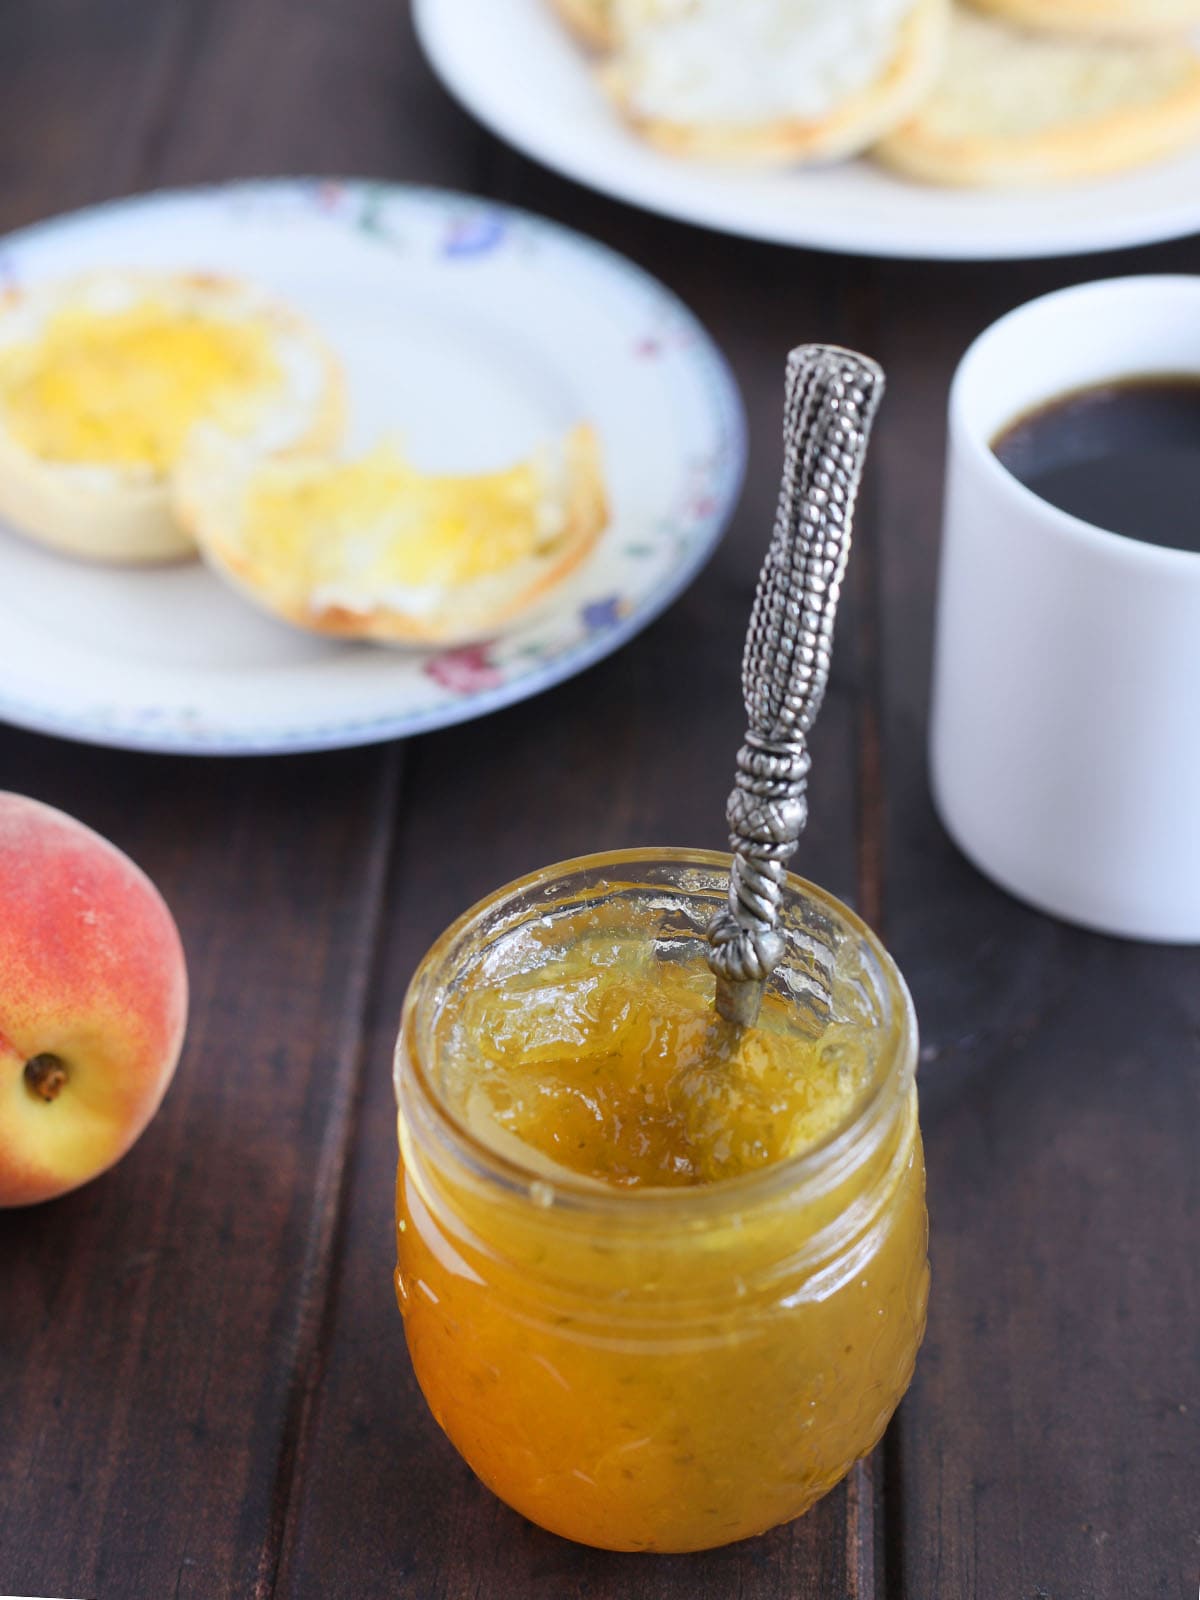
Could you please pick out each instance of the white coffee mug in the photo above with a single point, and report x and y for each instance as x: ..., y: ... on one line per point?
x: 1065, y: 731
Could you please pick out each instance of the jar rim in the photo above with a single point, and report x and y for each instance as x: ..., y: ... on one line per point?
x: 818, y: 1166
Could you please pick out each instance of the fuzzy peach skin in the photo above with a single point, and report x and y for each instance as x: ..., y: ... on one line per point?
x: 93, y: 1002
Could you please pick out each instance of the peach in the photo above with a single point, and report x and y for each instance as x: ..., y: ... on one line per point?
x: 93, y: 1002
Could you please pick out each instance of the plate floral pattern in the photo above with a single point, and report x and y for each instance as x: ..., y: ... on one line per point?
x: 438, y: 303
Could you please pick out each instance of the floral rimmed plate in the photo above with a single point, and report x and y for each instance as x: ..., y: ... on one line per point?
x: 472, y: 330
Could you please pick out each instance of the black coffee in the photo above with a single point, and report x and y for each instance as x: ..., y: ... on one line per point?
x: 1123, y: 456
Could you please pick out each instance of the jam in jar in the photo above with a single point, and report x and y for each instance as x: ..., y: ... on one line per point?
x: 663, y: 1280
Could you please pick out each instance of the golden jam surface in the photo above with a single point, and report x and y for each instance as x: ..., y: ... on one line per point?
x: 639, y: 1378
x: 385, y: 523
x: 616, y: 1067
x: 124, y: 388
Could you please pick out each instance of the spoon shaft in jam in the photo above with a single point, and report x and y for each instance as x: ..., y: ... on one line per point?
x: 832, y: 398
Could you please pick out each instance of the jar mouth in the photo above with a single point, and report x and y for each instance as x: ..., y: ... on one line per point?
x: 819, y: 1166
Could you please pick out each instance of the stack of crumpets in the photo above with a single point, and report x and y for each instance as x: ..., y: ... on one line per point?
x: 991, y: 93
x: 150, y: 416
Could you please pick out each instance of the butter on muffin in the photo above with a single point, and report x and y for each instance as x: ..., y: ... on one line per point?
x: 772, y: 81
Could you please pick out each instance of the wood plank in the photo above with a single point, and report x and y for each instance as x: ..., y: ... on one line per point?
x: 1049, y: 1445
x: 85, y: 88
x: 333, y: 87
x: 638, y: 750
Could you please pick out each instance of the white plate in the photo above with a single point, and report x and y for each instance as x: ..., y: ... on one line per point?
x: 515, y: 67
x: 474, y: 331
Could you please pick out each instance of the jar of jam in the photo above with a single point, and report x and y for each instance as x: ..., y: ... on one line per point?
x: 663, y: 1280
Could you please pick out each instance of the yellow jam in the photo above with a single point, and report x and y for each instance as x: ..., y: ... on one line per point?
x: 617, y: 1068
x: 662, y: 1283
x: 124, y: 388
x: 379, y: 522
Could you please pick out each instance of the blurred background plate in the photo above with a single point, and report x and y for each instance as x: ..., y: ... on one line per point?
x: 515, y: 67
x: 475, y: 332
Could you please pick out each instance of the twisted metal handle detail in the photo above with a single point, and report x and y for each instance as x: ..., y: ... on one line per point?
x: 832, y: 398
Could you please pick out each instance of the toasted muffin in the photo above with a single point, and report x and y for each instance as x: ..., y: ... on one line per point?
x: 1113, y: 18
x: 590, y: 20
x: 1020, y: 108
x: 103, y: 378
x: 374, y: 549
x: 772, y: 81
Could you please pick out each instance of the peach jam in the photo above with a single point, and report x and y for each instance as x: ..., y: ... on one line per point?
x: 663, y: 1281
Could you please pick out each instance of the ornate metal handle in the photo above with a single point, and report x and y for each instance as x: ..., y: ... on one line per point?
x: 832, y: 398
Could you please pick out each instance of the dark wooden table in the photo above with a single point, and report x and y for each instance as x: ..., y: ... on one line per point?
x: 204, y: 1390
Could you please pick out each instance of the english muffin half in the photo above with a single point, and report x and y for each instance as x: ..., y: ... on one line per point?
x: 1019, y: 108
x: 772, y: 81
x: 1115, y: 18
x: 373, y: 548
x: 104, y: 377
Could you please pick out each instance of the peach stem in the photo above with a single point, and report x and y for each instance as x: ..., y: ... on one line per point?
x: 46, y: 1076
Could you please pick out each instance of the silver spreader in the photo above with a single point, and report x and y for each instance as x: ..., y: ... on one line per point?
x: 832, y: 398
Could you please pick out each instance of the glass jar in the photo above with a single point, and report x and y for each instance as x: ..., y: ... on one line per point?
x: 654, y: 1368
